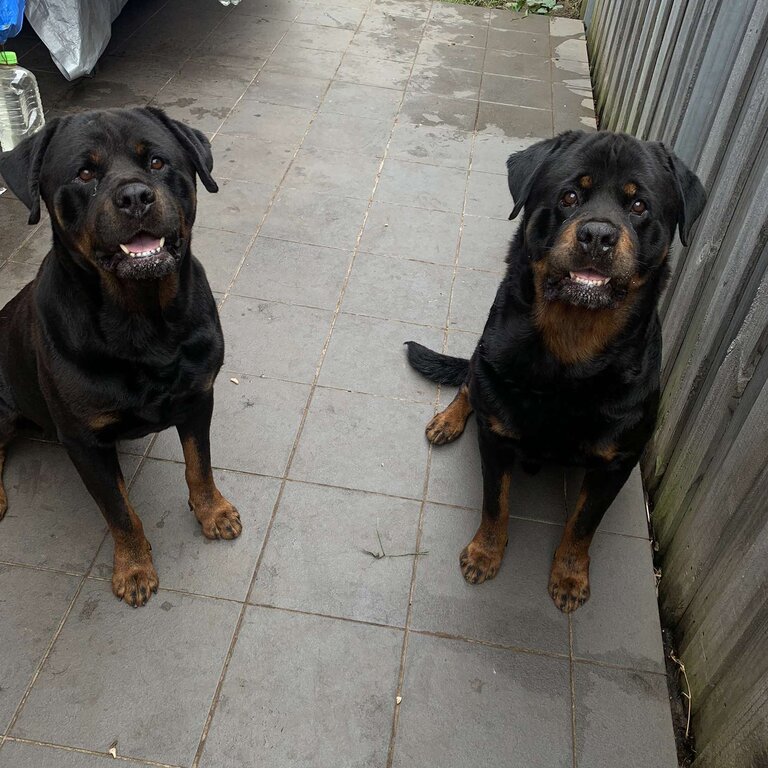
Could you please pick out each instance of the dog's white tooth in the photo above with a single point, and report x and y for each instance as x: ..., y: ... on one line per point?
x: 124, y: 249
x: 162, y: 243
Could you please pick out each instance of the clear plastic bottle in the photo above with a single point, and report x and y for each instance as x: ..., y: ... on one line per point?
x: 21, y: 110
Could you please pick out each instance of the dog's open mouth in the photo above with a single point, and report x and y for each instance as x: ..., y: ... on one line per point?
x: 146, y: 257
x: 584, y: 288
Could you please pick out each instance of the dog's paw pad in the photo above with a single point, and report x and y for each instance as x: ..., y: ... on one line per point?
x: 222, y: 522
x: 569, y: 591
x: 135, y: 583
x: 478, y: 564
x: 443, y: 429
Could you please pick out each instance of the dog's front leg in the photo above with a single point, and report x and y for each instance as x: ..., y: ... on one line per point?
x: 133, y: 576
x: 481, y: 558
x: 218, y: 518
x: 569, y: 577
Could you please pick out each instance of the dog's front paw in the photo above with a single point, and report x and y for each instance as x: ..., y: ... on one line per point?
x: 569, y: 582
x: 134, y: 580
x: 444, y: 429
x: 480, y: 561
x: 219, y: 520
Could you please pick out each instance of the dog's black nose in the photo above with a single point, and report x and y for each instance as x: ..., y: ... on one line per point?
x: 597, y: 236
x: 135, y: 199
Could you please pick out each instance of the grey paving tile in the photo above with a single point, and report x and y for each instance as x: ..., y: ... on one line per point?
x: 303, y: 216
x: 456, y: 34
x: 375, y: 447
x: 516, y: 90
x: 515, y: 64
x: 473, y: 294
x: 102, y: 650
x: 622, y: 718
x: 367, y: 355
x: 396, y: 230
x: 420, y: 185
x: 388, y: 36
x: 443, y: 81
x: 566, y: 70
x: 620, y: 623
x: 269, y: 339
x: 316, y: 561
x: 339, y: 16
x: 410, y: 291
x: 488, y: 195
x: 467, y: 57
x: 52, y: 521
x: 485, y: 243
x: 276, y: 270
x: 427, y: 109
x: 431, y: 144
x: 415, y: 9
x: 33, y: 604
x: 292, y: 60
x: 220, y: 253
x: 536, y: 43
x: 238, y: 206
x: 497, y: 707
x: 16, y: 754
x: 627, y: 513
x: 532, y: 23
x: 369, y: 71
x: 574, y: 108
x: 268, y: 122
x: 361, y: 100
x: 516, y: 122
x: 234, y: 158
x: 366, y: 136
x: 327, y: 171
x: 287, y: 10
x: 254, y: 424
x: 288, y: 90
x: 242, y: 41
x: 325, y: 696
x: 512, y: 609
x: 185, y: 560
x: 36, y: 248
x: 13, y: 277
x: 459, y: 15
x: 319, y: 37
x: 490, y: 152
x: 459, y: 344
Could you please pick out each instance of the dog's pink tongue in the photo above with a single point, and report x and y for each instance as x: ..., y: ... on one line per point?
x: 141, y: 243
x: 589, y: 274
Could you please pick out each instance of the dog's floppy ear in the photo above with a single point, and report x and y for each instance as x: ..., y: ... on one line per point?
x: 195, y: 144
x: 21, y: 165
x: 522, y: 167
x: 693, y: 198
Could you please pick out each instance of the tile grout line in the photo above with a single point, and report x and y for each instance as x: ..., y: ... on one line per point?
x: 82, y: 751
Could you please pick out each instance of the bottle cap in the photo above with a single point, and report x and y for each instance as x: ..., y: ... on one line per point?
x: 8, y: 57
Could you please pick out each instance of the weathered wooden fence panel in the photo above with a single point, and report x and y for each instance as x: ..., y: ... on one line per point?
x: 694, y: 74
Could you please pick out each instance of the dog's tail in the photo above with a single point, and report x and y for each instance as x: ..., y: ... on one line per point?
x: 442, y: 369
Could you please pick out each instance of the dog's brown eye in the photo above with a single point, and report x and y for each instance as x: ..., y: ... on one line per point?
x: 86, y: 174
x: 569, y: 199
x: 156, y: 164
x: 638, y: 207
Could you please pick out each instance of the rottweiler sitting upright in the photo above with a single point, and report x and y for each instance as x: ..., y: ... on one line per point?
x: 567, y: 368
x: 118, y: 335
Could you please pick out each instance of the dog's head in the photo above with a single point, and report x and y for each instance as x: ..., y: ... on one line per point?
x: 119, y: 186
x: 601, y: 211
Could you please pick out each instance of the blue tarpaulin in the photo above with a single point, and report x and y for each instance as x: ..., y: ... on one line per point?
x: 11, y: 18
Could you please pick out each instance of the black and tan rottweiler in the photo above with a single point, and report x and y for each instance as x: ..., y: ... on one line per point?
x: 567, y: 368
x: 118, y: 335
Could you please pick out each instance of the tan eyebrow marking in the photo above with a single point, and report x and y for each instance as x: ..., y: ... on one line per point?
x: 585, y: 182
x: 630, y: 189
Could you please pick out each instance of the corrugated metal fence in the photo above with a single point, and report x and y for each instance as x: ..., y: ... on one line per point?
x: 694, y: 74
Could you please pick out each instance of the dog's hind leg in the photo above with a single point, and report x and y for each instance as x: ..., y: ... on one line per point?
x: 450, y: 423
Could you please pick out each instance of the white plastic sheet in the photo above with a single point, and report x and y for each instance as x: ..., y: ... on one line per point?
x: 76, y: 32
